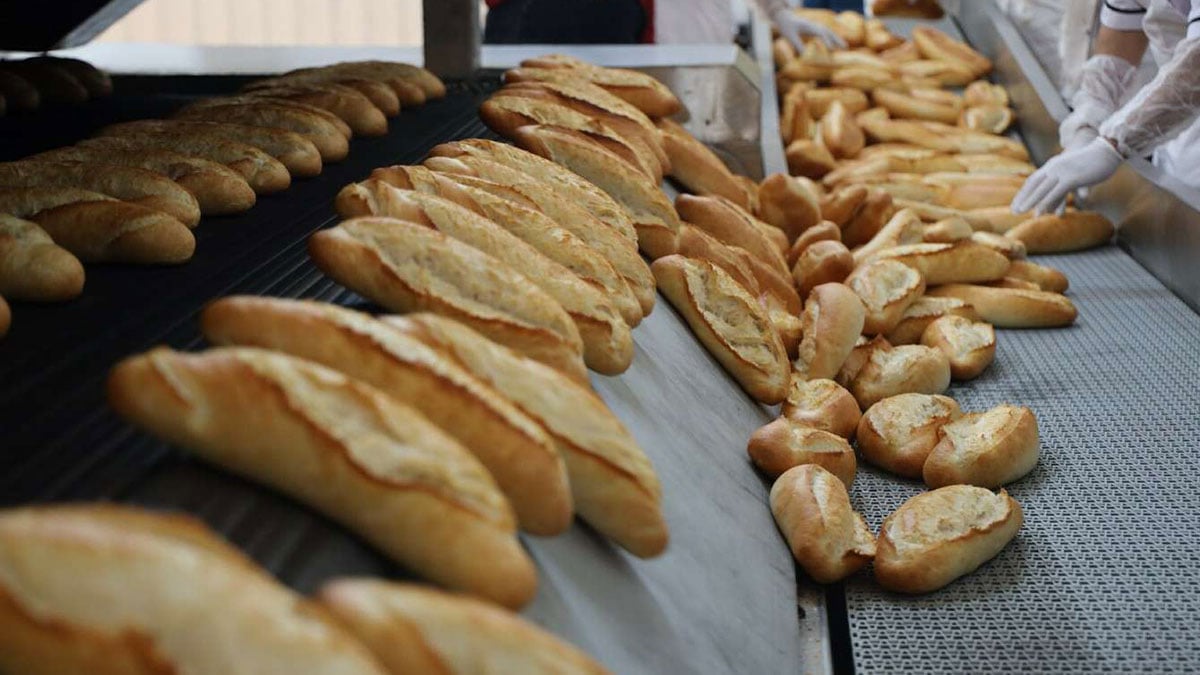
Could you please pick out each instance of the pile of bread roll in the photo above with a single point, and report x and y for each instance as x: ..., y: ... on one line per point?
x: 27, y: 84
x: 133, y: 193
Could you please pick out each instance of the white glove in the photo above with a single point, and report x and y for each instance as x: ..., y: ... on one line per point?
x: 794, y: 28
x: 1046, y: 189
x: 1102, y: 84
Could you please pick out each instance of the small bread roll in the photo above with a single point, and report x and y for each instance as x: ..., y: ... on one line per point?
x: 833, y: 320
x: 963, y: 262
x: 839, y: 206
x: 874, y: 214
x: 1013, y: 307
x: 994, y: 119
x: 948, y: 230
x: 33, y: 267
x: 1047, y: 278
x: 939, y: 536
x: 863, y: 348
x: 822, y: 231
x: 840, y: 132
x: 904, y: 227
x: 987, y: 449
x: 783, y: 444
x: 924, y: 312
x: 821, y: 263
x: 787, y: 203
x: 733, y: 225
x: 982, y: 92
x: 934, y: 44
x: 1072, y: 231
x: 970, y: 346
x: 886, y: 288
x: 809, y: 158
x: 827, y: 537
x: 1009, y: 248
x: 907, y: 369
x: 822, y: 404
x: 898, y: 433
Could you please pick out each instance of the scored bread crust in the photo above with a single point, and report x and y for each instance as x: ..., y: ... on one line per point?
x: 1013, y: 307
x: 729, y: 322
x: 963, y: 262
x: 264, y: 173
x: 934, y: 44
x: 382, y: 96
x: 286, y: 110
x: 613, y: 483
x: 907, y: 369
x: 350, y: 105
x: 697, y: 167
x: 514, y: 448
x: 987, y: 449
x: 899, y: 432
x: 782, y: 444
x: 823, y: 231
x: 924, y: 311
x: 1046, y: 278
x: 33, y: 267
x: 887, y: 288
x: 1009, y: 248
x: 822, y: 404
x: 822, y: 262
x: 321, y: 132
x: 970, y: 346
x: 832, y: 322
x: 638, y: 89
x: 1073, y: 231
x: 789, y: 204
x: 941, y: 535
x: 732, y: 225
x: 906, y: 106
x: 827, y: 537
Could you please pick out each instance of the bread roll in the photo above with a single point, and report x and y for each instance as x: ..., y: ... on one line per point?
x: 809, y: 158
x: 341, y: 446
x: 871, y: 217
x: 941, y: 535
x: 285, y: 110
x: 906, y: 369
x: 393, y: 73
x: 906, y: 106
x: 321, y: 132
x: 729, y: 322
x: 407, y: 267
x: 944, y: 73
x: 150, y: 577
x: 944, y: 138
x: 904, y: 227
x: 960, y: 262
x: 859, y: 354
x: 948, y: 231
x: 898, y: 433
x: 819, y: 100
x: 414, y: 629
x: 1013, y: 307
x: 98, y: 228
x: 380, y: 94
x: 822, y: 231
x: 1047, y: 278
x: 886, y: 288
x: 33, y: 267
x: 822, y: 404
x: 994, y: 119
x: 593, y: 100
x: 347, y: 103
x: 1009, y: 248
x: 833, y: 320
x: 732, y: 225
x: 784, y: 444
x: 18, y: 92
x: 5, y: 317
x: 264, y: 173
x: 638, y: 89
x: 987, y: 449
x: 796, y: 121
x: 857, y: 170
x: 789, y: 204
x: 864, y: 77
x: 879, y: 37
x: 822, y: 262
x: 614, y: 485
x: 982, y: 92
x: 697, y: 167
x: 840, y: 205
x: 840, y: 132
x: 518, y: 453
x: 924, y: 311
x: 1072, y: 231
x: 934, y: 44
x: 827, y: 537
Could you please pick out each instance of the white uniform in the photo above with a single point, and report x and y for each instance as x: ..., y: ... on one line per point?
x: 702, y: 21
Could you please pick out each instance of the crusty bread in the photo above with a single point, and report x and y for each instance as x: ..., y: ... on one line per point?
x: 963, y: 262
x: 982, y: 92
x: 415, y: 629
x: 903, y: 105
x: 732, y: 225
x: 809, y: 158
x: 1013, y: 307
x: 321, y: 132
x: 943, y: 137
x: 827, y: 537
x: 987, y: 449
x: 407, y: 267
x: 638, y: 89
x: 394, y: 73
x: 614, y: 485
x: 875, y: 212
x: 887, y: 288
x: 1072, y: 231
x: 994, y: 119
x: 783, y: 444
x: 1009, y: 248
x: 906, y: 369
x: 136, y: 610
x: 341, y: 446
x: 729, y: 322
x: 833, y: 320
x: 282, y: 110
x: 970, y: 346
x: 924, y: 311
x: 347, y: 103
x: 904, y: 227
x: 820, y: 100
x: 898, y: 432
x: 840, y: 132
x: 33, y: 267
x: 264, y: 173
x: 1047, y: 278
x: 822, y: 231
x: 514, y: 448
x: 948, y: 231
x: 840, y: 205
x: 822, y: 404
x: 697, y: 167
x: 822, y: 262
x: 864, y: 77
x: 934, y: 44
x: 380, y: 94
x: 790, y: 204
x: 941, y: 535
x: 879, y: 37
x: 862, y: 350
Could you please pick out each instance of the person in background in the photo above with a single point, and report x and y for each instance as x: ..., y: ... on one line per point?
x: 1163, y: 117
x: 1059, y: 33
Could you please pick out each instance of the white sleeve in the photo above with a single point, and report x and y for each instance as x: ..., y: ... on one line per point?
x: 1193, y: 20
x: 1123, y: 15
x: 1163, y: 108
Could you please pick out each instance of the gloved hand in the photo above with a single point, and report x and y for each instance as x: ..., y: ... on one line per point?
x: 1103, y: 83
x: 1046, y: 189
x: 794, y: 28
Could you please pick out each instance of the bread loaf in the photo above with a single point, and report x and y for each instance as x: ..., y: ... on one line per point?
x: 826, y: 536
x: 872, y: 215
x: 947, y: 231
x: 809, y: 158
x: 1072, y: 231
x: 906, y: 106
x: 934, y: 44
x: 960, y: 262
x: 729, y: 322
x: 33, y: 267
x: 638, y: 89
x: 820, y: 263
x: 321, y: 132
x: 790, y: 204
x: 944, y: 138
x: 407, y: 267
x: 614, y: 485
x: 819, y: 100
x: 1013, y: 307
x: 924, y: 311
x: 380, y: 94
x: 150, y: 577
x: 406, y: 79
x: 300, y: 117
x: 347, y: 103
x: 833, y: 320
x: 593, y: 100
x: 941, y: 535
x: 994, y: 119
x: 1047, y: 278
x: 987, y: 449
x: 732, y: 225
x: 697, y: 167
x: 264, y: 173
x: 859, y: 354
x: 982, y: 92
x: 879, y: 37
x: 514, y: 449
x: 969, y: 345
x: 1009, y: 248
x: 887, y: 288
x: 784, y: 444
x: 341, y: 446
x: 414, y: 629
x: 898, y: 433
x: 864, y: 77
x: 822, y: 404
x: 775, y: 292
x: 906, y: 369
x: 904, y: 227
x: 840, y: 132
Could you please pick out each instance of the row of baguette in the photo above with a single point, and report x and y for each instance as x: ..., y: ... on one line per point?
x: 132, y: 194
x: 26, y: 84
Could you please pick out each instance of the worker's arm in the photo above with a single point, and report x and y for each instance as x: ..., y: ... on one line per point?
x: 795, y: 29
x: 1127, y: 45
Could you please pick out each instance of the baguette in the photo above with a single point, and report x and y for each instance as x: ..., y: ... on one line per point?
x: 378, y: 93
x: 840, y: 205
x: 638, y: 89
x: 947, y: 231
x: 833, y: 319
x: 887, y: 288
x: 135, y: 611
x: 827, y: 537
x: 994, y: 119
x: 982, y: 92
x: 809, y: 158
x: 871, y: 217
x: 729, y: 322
x: 864, y: 77
x: 840, y: 132
x: 54, y: 84
x: 1046, y: 278
x: 784, y: 444
x: 822, y: 404
x: 934, y: 44
x: 263, y: 173
x: 732, y: 225
x: 413, y: 629
x: 218, y: 189
x: 924, y: 311
x: 736, y: 261
x: 33, y: 267
x: 944, y: 138
x: 132, y: 185
x: 898, y: 433
x: 5, y: 317
x: 98, y: 228
x: 819, y: 100
x: 963, y: 262
x: 823, y: 231
x: 796, y: 122
x: 288, y: 112
x: 614, y: 485
x: 904, y: 227
x: 406, y: 93
x: 906, y: 106
x: 656, y: 222
x: 697, y: 167
x: 19, y: 93
x: 901, y: 53
x: 987, y: 449
x: 906, y: 369
x: 294, y: 151
x: 607, y: 345
x: 347, y: 103
x: 407, y: 267
x: 821, y: 263
x: 879, y: 38
x: 970, y: 346
x: 941, y: 535
x: 400, y: 76
x: 514, y: 449
x: 790, y: 204
x: 859, y: 354
x: 1072, y: 231
x: 1013, y: 307
x: 593, y: 100
x: 329, y: 140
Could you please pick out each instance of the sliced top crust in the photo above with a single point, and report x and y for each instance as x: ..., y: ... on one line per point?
x: 946, y: 515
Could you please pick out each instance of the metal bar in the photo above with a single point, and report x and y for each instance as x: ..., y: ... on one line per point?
x: 452, y: 37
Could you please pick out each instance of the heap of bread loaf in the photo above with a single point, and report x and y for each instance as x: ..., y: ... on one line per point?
x: 132, y: 194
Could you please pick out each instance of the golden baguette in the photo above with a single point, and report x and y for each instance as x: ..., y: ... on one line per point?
x: 906, y: 106
x: 1013, y: 307
x: 820, y: 263
x: 870, y: 218
x: 735, y: 260
x: 864, y: 77
x: 218, y: 189
x: 784, y: 444
x: 274, y: 107
x: 98, y: 228
x: 133, y: 185
x: 982, y: 92
x: 947, y: 231
x: 378, y: 93
x: 729, y: 322
x: 19, y: 93
x: 33, y: 267
x: 1047, y: 278
x: 822, y: 404
x: 344, y: 448
x: 1009, y: 248
x: 386, y: 71
x: 731, y: 225
x: 944, y: 138
x: 514, y: 449
x: 840, y: 133
x: 934, y: 44
x: 989, y: 219
x: 614, y: 485
x: 607, y: 343
x: 987, y: 449
x: 819, y: 100
x: 898, y: 433
x: 840, y: 205
x: 833, y: 320
x: 322, y: 133
x: 347, y: 103
x: 809, y: 158
x: 697, y: 167
x: 970, y: 346
x: 262, y: 172
x: 415, y: 629
x: 879, y: 38
x: 407, y: 267
x: 638, y: 89
x: 129, y: 614
x: 1072, y: 231
x: 827, y: 537
x: 964, y: 262
x: 792, y: 205
x: 822, y: 231
x: 904, y: 227
x: 294, y: 151
x: 924, y: 311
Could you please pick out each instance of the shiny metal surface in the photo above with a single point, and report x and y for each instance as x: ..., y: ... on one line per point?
x: 453, y: 37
